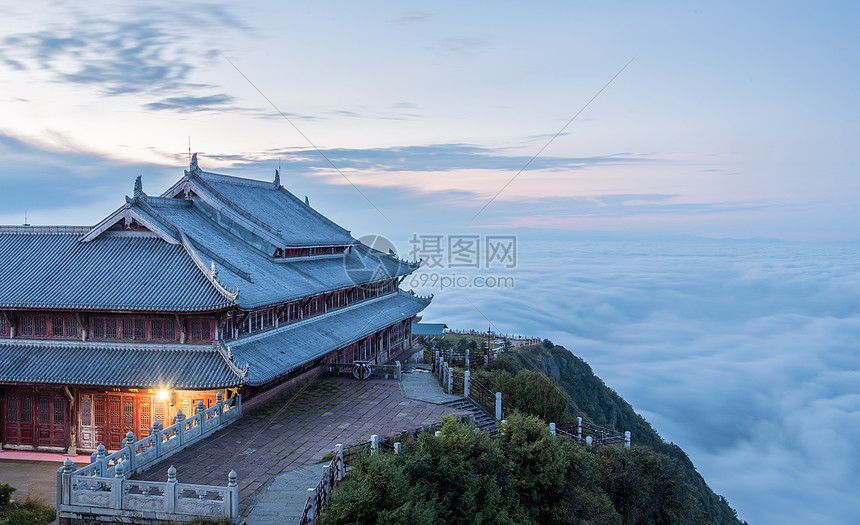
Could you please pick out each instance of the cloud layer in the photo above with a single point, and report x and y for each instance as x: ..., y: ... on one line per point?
x: 745, y: 354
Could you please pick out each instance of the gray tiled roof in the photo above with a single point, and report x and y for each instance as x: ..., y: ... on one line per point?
x: 274, y: 281
x: 114, y: 272
x: 278, y: 351
x: 119, y: 365
x: 276, y: 207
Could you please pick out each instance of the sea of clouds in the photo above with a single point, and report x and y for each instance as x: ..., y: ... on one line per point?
x: 745, y: 353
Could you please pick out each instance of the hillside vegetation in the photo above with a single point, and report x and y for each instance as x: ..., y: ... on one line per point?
x: 588, y: 397
x: 528, y: 475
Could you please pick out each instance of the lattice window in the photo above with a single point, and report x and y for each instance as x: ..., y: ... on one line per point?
x: 163, y: 329
x: 27, y: 325
x: 3, y: 325
x: 63, y: 326
x: 59, y: 412
x: 99, y: 328
x: 158, y: 413
x: 114, y: 413
x: 134, y: 329
x: 71, y: 326
x: 201, y: 330
x: 145, y: 411
x: 12, y: 409
x: 44, y: 411
x: 110, y: 328
x: 99, y: 411
x: 26, y: 410
x: 128, y: 415
x: 128, y: 329
x: 40, y: 323
x: 86, y: 411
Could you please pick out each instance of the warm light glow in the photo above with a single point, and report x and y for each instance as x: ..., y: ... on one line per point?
x: 163, y: 395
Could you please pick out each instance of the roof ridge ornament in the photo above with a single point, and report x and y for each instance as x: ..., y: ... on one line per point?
x: 138, y: 188
x: 277, y: 179
x: 193, y: 167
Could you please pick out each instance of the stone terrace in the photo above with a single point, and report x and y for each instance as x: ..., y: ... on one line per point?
x: 298, y: 429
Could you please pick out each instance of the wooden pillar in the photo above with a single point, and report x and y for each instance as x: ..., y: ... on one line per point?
x: 182, y: 334
x: 73, y: 422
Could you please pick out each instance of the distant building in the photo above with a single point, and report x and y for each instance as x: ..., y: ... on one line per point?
x: 428, y: 328
x: 222, y: 284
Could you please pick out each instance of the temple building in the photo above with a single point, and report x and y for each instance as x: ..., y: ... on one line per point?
x: 221, y: 284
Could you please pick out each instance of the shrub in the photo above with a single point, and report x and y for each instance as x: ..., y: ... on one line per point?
x: 6, y: 491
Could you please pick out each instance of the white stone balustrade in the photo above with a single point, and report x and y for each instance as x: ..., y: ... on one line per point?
x: 143, y: 501
x: 102, y: 486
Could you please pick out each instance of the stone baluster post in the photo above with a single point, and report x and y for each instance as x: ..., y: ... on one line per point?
x: 170, y: 491
x: 588, y: 441
x: 579, y: 429
x: 626, y: 439
x: 397, y: 447
x: 199, y: 408
x: 398, y: 369
x: 179, y: 418
x: 233, y: 485
x: 438, y: 433
x: 116, y: 489
x: 219, y: 407
x: 450, y: 380
x: 155, y: 431
x: 498, y: 405
x: 466, y: 378
x: 312, y: 495
x: 341, y: 467
x: 64, y: 483
x: 128, y: 442
x: 374, y: 444
x: 552, y: 428
x: 102, y: 453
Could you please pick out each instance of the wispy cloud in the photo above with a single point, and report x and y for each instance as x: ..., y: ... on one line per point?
x: 218, y: 102
x: 147, y: 53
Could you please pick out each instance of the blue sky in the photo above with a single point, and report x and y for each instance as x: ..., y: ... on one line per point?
x: 732, y: 120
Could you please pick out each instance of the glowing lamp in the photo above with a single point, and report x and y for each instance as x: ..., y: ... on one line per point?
x: 163, y: 395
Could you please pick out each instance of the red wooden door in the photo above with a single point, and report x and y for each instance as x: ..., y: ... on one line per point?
x: 121, y: 418
x: 12, y: 419
x: 86, y: 428
x: 26, y: 432
x: 52, y: 427
x: 35, y: 419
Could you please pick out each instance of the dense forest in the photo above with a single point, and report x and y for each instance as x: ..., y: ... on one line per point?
x: 528, y: 475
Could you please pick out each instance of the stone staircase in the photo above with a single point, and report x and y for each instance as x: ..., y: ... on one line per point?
x: 483, y: 420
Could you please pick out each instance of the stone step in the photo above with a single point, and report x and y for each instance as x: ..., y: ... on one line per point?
x: 483, y: 420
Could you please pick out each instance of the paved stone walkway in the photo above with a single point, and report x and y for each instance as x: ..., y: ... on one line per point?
x: 420, y: 384
x: 282, y: 501
x: 296, y: 430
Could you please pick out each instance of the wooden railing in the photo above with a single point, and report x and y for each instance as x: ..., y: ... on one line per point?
x: 320, y: 496
x: 483, y: 396
x: 588, y: 433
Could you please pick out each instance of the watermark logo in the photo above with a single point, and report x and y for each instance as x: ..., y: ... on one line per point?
x: 465, y: 255
x: 464, y: 250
